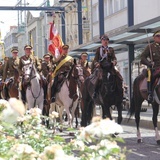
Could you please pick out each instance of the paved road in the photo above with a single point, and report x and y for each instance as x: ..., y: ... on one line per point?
x: 148, y: 150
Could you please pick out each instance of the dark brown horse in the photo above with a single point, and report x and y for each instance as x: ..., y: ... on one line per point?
x: 139, y: 95
x: 11, y: 88
x: 110, y: 93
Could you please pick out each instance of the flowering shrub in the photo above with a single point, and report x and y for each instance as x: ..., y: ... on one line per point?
x: 23, y: 137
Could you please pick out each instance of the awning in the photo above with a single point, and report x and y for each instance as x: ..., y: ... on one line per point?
x: 139, y: 35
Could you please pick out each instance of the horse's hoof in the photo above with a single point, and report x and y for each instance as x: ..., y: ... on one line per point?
x: 139, y: 141
x: 71, y: 134
x: 158, y: 142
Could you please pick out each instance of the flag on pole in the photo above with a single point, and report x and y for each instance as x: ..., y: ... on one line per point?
x: 31, y: 42
x: 55, y: 41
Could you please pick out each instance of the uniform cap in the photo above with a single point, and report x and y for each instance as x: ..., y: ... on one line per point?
x: 104, y: 37
x: 27, y: 47
x: 84, y: 54
x: 156, y: 33
x: 65, y: 46
x: 14, y: 49
x: 47, y: 55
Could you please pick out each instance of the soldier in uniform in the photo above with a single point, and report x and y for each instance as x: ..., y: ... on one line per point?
x: 47, y: 69
x: 47, y: 66
x: 1, y: 70
x: 151, y: 58
x: 62, y: 68
x: 106, y: 59
x: 83, y: 59
x: 9, y: 67
x: 28, y: 56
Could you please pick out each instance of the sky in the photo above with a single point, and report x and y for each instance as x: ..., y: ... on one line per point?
x: 10, y: 18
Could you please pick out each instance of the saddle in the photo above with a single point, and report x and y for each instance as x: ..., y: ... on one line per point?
x: 143, y: 85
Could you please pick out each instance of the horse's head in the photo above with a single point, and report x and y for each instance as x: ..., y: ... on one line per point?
x: 28, y: 71
x: 78, y: 72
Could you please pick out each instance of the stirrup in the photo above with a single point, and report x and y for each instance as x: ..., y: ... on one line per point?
x: 150, y: 98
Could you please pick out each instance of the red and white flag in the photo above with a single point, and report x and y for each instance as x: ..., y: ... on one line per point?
x: 56, y: 43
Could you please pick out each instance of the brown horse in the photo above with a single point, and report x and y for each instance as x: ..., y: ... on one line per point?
x: 11, y: 88
x: 110, y: 93
x: 139, y: 95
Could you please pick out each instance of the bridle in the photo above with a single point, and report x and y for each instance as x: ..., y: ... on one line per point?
x: 30, y: 75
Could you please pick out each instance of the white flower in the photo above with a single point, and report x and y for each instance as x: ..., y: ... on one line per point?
x: 14, y: 108
x: 100, y: 128
x: 78, y: 144
x: 24, y: 150
x: 35, y: 112
x: 1, y: 128
x: 54, y: 115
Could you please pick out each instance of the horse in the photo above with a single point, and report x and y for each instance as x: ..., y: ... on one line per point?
x: 11, y: 88
x: 110, y: 93
x: 139, y: 95
x: 33, y: 85
x: 66, y: 98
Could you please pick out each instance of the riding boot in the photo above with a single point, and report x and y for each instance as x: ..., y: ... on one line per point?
x: 45, y: 93
x: 150, y: 96
x: 6, y: 93
x: 54, y: 89
x: 23, y: 95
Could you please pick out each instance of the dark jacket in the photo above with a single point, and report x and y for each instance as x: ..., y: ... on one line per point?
x: 33, y: 59
x: 155, y: 52
x: 9, y: 67
x: 108, y: 59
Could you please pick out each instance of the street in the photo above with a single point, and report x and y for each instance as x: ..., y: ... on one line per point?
x: 147, y: 150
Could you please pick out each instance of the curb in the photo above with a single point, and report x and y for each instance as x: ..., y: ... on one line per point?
x: 145, y: 119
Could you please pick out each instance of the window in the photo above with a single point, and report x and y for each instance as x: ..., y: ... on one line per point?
x: 116, y: 5
x: 123, y: 4
x: 95, y: 13
x: 113, y: 6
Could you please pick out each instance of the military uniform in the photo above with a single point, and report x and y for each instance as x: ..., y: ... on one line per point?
x: 31, y: 58
x: 60, y: 72
x: 106, y: 59
x: 9, y: 67
x: 155, y: 49
x: 47, y: 66
x: 1, y: 70
x: 151, y: 57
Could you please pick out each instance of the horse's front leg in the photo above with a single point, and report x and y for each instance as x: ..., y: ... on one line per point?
x: 119, y: 109
x: 106, y: 113
x: 155, y: 108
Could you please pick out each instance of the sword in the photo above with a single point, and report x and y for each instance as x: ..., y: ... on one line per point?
x: 150, y: 50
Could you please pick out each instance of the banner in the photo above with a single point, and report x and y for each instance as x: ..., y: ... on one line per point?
x: 56, y: 43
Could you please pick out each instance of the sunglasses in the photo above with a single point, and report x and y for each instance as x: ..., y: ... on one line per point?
x: 157, y: 35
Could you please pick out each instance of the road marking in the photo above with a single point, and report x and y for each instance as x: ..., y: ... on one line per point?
x: 141, y: 155
x: 155, y: 152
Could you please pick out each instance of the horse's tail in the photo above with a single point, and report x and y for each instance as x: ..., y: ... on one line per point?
x: 134, y: 95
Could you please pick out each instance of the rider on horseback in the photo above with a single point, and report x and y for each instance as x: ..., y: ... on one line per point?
x: 106, y: 59
x: 151, y: 57
x: 62, y: 69
x: 9, y: 68
x: 28, y: 56
x: 47, y: 69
